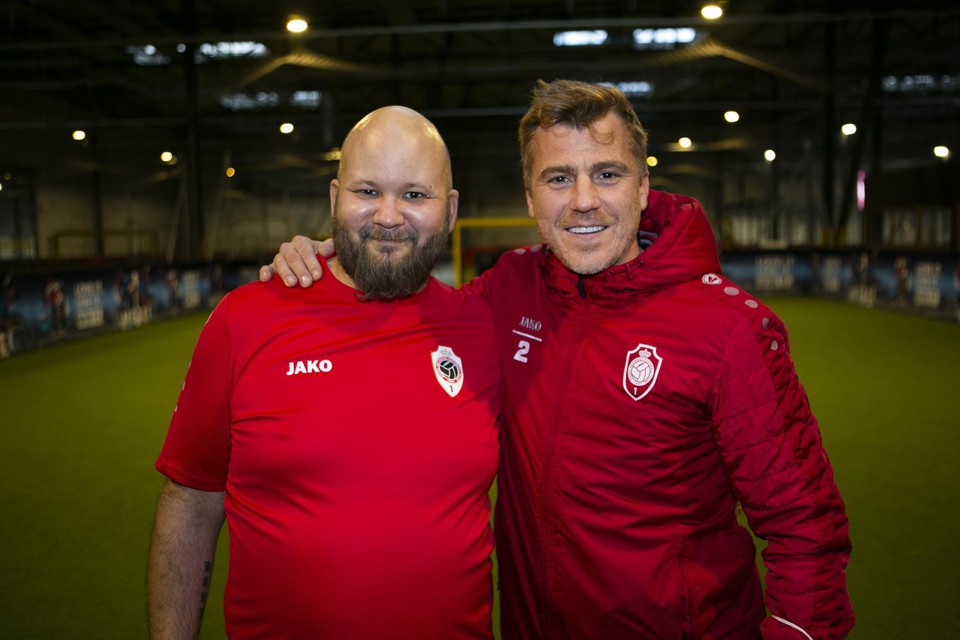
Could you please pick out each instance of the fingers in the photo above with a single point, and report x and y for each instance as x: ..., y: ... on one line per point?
x: 296, y: 261
x: 307, y: 250
x: 288, y: 265
x: 325, y: 248
x: 266, y: 272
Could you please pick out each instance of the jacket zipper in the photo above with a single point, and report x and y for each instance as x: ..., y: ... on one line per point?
x: 548, y: 617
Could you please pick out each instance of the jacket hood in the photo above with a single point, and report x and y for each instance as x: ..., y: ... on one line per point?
x: 677, y: 245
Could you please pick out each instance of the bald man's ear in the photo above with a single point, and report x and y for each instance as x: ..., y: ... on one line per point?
x: 453, y: 202
x: 334, y: 190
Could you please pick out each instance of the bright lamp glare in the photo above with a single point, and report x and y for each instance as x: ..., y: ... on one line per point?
x: 286, y: 127
x: 770, y: 155
x: 580, y: 38
x: 166, y: 156
x: 663, y: 38
x: 941, y: 152
x: 79, y: 135
x: 848, y: 129
x: 652, y: 161
x: 685, y: 142
x: 731, y: 116
x: 711, y: 12
x: 297, y: 25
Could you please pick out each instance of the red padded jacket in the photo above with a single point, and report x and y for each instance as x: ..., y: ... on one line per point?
x: 642, y: 405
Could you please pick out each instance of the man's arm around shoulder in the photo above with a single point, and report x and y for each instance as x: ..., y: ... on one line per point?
x: 182, y: 551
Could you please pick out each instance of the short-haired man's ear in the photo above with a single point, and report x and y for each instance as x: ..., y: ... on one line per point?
x: 644, y: 191
x: 453, y: 202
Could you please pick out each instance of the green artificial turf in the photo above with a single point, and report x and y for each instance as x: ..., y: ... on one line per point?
x: 81, y: 425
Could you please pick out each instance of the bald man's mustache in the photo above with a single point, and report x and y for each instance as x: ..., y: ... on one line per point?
x: 399, y: 234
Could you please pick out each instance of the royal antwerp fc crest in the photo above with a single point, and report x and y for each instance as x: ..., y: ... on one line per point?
x: 641, y: 370
x: 448, y: 368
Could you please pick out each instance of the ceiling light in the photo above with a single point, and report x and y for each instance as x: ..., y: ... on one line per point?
x: 770, y: 155
x: 249, y: 102
x: 306, y: 99
x: 848, y: 129
x: 166, y: 156
x: 147, y: 56
x: 711, y: 11
x: 286, y: 127
x: 652, y: 161
x: 232, y: 49
x: 685, y: 142
x: 79, y: 135
x: 941, y: 152
x: 296, y: 24
x: 580, y: 38
x: 731, y: 116
x: 665, y: 38
x: 231, y: 172
x: 631, y: 89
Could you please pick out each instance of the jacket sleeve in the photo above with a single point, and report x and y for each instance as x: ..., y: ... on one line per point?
x: 772, y: 454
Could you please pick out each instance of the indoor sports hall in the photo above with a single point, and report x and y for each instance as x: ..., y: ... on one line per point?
x: 154, y: 155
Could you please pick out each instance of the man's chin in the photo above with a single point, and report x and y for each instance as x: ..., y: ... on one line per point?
x: 383, y: 250
x: 580, y: 262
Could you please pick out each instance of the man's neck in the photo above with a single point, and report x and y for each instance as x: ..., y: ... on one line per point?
x: 339, y: 272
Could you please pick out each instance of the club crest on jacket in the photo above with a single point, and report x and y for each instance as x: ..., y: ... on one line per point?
x: 641, y: 370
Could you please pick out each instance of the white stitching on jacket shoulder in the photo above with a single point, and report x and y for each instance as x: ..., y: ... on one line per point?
x: 790, y: 624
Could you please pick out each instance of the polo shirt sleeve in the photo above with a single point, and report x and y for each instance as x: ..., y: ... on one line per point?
x: 196, y: 452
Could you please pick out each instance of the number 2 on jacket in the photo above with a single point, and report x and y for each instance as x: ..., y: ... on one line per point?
x: 523, y: 347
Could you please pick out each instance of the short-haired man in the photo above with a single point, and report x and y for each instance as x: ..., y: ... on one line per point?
x: 347, y: 435
x: 645, y: 397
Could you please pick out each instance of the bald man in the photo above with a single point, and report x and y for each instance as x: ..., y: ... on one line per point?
x: 347, y: 436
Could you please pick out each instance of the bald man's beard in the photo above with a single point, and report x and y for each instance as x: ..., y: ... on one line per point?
x: 384, y: 275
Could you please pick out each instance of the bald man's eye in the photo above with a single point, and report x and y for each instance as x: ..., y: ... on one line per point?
x: 415, y: 195
x: 371, y: 193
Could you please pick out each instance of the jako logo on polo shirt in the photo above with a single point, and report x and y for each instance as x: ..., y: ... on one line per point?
x: 309, y: 366
x: 448, y: 368
x: 641, y: 370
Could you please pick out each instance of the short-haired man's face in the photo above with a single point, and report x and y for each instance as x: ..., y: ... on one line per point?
x: 587, y: 190
x: 392, y: 213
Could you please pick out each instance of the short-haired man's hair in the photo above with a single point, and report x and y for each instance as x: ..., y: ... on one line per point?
x: 578, y: 105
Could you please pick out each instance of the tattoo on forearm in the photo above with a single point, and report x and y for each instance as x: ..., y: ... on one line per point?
x: 205, y: 589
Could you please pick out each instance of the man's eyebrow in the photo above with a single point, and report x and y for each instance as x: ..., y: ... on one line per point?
x: 556, y: 169
x: 361, y: 184
x: 418, y: 186
x: 610, y: 164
